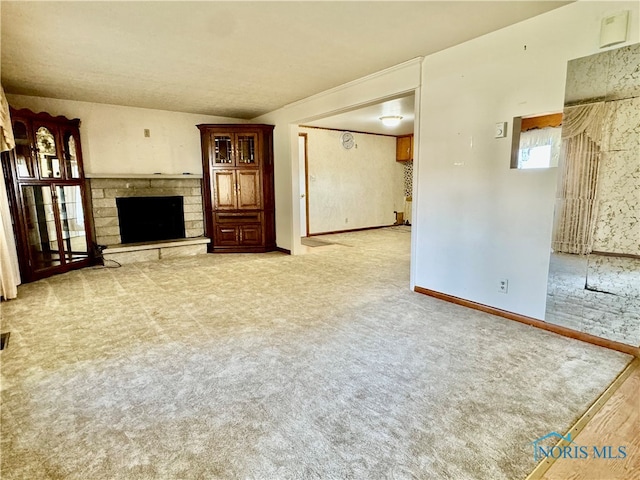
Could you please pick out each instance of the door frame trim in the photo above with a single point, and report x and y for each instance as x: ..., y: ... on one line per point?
x: 306, y: 179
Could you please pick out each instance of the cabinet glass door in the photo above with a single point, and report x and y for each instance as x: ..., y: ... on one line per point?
x: 71, y: 156
x: 42, y: 235
x: 222, y: 148
x: 47, y: 154
x: 24, y: 159
x: 247, y: 144
x: 74, y: 237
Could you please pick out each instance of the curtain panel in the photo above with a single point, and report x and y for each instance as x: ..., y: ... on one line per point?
x: 576, y: 202
x: 9, y: 269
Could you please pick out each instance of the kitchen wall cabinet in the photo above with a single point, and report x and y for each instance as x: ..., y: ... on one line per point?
x: 404, y: 148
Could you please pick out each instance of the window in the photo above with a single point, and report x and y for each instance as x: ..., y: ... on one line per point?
x: 536, y: 141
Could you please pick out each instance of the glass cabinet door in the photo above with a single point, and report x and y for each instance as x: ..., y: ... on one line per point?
x: 72, y: 166
x: 23, y: 155
x: 222, y: 148
x: 52, y: 242
x: 42, y: 234
x: 48, y: 160
x: 74, y: 237
x: 247, y: 145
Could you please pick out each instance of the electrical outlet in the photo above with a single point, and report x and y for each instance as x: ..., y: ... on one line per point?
x: 503, y: 285
x: 147, y: 132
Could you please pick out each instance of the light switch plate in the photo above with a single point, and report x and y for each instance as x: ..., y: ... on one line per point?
x: 501, y: 130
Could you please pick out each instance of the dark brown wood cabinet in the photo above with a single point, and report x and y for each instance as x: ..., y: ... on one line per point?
x: 237, y: 163
x: 47, y: 194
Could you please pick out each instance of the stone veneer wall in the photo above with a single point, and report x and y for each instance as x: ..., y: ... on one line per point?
x: 614, y: 77
x: 408, y: 178
x: 104, y: 192
x: 609, y: 306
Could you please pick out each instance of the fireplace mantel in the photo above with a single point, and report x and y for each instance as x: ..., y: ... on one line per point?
x: 144, y: 175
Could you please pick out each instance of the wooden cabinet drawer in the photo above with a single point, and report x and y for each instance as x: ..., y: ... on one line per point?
x: 237, y: 217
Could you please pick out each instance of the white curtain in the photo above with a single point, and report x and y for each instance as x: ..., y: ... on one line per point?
x: 540, y: 137
x: 576, y: 205
x: 9, y: 270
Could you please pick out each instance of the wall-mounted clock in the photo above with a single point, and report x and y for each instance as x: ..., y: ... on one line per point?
x: 347, y: 140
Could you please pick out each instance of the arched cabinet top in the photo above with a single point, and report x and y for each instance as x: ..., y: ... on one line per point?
x: 25, y: 113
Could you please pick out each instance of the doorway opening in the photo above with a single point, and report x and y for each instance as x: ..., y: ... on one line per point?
x: 356, y: 173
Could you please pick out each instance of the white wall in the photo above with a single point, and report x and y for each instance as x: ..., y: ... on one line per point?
x: 113, y: 140
x: 386, y: 84
x: 478, y: 221
x: 355, y: 188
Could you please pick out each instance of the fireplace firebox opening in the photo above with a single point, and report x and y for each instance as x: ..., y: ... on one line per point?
x: 148, y: 219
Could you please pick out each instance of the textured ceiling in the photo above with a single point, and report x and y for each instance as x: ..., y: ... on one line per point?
x: 237, y: 59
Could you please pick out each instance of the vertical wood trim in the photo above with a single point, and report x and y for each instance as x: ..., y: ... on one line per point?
x: 306, y: 180
x: 515, y: 141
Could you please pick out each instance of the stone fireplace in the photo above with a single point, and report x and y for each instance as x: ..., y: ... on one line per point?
x: 105, y: 193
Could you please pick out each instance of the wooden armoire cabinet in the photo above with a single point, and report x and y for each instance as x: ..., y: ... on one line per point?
x: 47, y: 195
x: 239, y: 203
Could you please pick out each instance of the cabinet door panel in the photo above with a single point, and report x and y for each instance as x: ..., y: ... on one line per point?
x: 250, y: 235
x: 42, y: 233
x: 247, y: 151
x: 47, y: 152
x: 222, y: 148
x: 404, y: 148
x: 70, y: 150
x: 226, y: 236
x: 23, y: 152
x: 74, y: 236
x: 224, y: 186
x: 249, y: 194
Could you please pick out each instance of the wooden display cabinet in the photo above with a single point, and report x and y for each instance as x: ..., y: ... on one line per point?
x: 47, y: 195
x: 239, y: 203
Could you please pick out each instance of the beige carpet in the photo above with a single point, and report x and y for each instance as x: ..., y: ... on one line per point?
x: 323, y: 366
x: 314, y: 242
